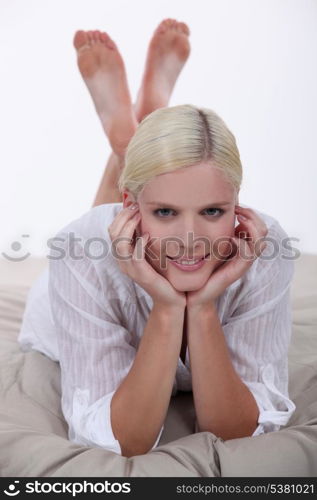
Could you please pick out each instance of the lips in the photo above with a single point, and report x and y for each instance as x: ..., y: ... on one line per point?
x: 186, y: 258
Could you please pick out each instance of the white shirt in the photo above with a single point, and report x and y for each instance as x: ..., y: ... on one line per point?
x: 88, y: 315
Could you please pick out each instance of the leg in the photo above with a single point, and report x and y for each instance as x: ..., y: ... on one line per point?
x: 102, y: 68
x: 168, y: 51
x: 108, y: 191
x: 103, y: 71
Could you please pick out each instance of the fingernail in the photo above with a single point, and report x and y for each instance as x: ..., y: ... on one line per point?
x: 243, y: 234
x: 133, y: 206
x: 241, y: 217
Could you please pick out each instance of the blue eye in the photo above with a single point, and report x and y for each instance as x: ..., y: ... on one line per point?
x: 160, y: 209
x: 156, y: 212
x: 219, y: 210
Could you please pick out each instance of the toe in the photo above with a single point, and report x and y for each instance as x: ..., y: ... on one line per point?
x: 167, y: 22
x: 99, y: 36
x: 165, y: 25
x: 90, y: 36
x: 172, y: 25
x: 80, y: 39
x: 184, y: 28
x: 107, y: 40
x: 104, y: 37
x: 111, y: 44
x: 161, y: 27
x: 95, y: 35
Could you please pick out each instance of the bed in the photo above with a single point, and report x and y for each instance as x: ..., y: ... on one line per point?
x: 33, y: 432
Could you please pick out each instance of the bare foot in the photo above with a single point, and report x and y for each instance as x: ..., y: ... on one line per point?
x: 103, y: 71
x: 166, y: 56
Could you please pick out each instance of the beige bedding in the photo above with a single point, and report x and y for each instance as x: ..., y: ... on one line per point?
x: 33, y: 432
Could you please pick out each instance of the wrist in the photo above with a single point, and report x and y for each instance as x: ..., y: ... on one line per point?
x: 205, y: 309
x: 169, y: 308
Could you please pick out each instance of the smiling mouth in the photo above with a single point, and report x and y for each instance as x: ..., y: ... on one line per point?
x: 188, y: 260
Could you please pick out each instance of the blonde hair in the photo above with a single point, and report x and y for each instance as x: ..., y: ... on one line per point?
x: 176, y: 137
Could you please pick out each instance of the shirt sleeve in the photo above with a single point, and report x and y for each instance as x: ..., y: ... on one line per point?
x: 258, y: 334
x: 96, y: 351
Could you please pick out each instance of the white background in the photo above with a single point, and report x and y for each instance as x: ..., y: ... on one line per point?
x: 253, y: 61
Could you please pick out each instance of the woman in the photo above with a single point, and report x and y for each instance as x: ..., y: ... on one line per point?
x: 134, y: 320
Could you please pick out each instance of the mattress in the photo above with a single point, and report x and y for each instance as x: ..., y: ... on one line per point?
x: 33, y: 432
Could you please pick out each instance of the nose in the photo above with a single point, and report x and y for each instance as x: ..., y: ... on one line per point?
x: 188, y: 243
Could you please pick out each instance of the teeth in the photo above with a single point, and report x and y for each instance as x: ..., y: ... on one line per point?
x: 187, y: 262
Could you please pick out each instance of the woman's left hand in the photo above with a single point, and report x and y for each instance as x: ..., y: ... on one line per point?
x: 247, y: 244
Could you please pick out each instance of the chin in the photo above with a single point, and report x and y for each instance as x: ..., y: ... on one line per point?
x: 187, y: 288
x: 187, y: 284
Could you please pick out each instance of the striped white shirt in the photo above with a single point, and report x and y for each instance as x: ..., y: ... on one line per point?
x: 85, y: 313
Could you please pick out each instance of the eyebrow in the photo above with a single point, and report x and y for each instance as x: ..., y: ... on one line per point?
x: 218, y: 203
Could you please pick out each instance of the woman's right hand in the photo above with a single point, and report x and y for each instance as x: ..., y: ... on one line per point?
x: 132, y: 261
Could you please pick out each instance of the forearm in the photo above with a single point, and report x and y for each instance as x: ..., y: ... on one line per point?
x: 140, y: 404
x: 223, y: 403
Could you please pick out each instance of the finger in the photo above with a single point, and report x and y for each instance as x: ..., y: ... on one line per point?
x: 241, y: 231
x: 244, y: 252
x: 253, y: 237
x: 254, y: 228
x: 244, y: 210
x: 120, y: 220
x: 249, y: 214
x: 123, y: 242
x: 251, y: 249
x: 139, y: 250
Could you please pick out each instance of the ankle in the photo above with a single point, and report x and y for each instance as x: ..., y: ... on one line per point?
x: 118, y: 161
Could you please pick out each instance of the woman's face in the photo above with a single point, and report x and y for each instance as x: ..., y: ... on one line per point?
x: 188, y: 213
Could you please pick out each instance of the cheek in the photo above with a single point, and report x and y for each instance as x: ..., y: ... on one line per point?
x: 156, y: 234
x: 221, y: 247
x: 146, y: 226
